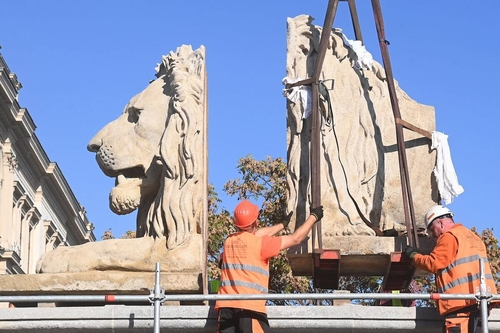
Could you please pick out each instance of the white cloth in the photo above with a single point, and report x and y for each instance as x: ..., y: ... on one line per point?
x: 303, y: 93
x: 444, y: 171
x: 365, y: 59
x: 297, y: 93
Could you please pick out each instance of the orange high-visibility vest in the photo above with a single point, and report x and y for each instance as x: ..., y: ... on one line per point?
x: 462, y: 276
x: 243, y: 271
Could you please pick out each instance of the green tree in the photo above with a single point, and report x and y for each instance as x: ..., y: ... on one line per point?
x: 219, y: 227
x: 128, y: 234
x: 493, y: 250
x: 107, y: 235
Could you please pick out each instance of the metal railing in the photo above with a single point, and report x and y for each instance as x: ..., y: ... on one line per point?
x: 157, y: 297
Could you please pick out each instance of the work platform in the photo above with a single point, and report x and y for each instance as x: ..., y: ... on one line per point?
x: 359, y: 256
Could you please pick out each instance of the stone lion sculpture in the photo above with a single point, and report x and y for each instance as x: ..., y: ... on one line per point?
x: 359, y: 155
x: 156, y: 151
x: 153, y: 151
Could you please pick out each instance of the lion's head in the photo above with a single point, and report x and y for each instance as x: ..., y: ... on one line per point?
x: 156, y: 150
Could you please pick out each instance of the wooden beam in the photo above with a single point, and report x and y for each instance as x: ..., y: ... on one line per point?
x: 414, y: 128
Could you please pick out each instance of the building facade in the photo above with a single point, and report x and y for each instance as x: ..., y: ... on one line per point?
x: 38, y: 209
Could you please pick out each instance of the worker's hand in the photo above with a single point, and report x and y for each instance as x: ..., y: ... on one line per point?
x: 410, y: 251
x: 285, y: 220
x: 317, y: 212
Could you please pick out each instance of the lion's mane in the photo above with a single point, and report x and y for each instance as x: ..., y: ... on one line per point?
x: 176, y: 211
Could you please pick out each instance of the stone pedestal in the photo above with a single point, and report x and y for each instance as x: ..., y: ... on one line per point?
x: 359, y: 255
x: 98, y: 283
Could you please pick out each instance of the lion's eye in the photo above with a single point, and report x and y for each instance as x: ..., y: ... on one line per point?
x: 134, y: 114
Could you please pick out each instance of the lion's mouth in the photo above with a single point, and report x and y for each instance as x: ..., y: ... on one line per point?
x: 130, y: 173
x: 130, y: 185
x: 122, y: 181
x: 126, y: 195
x: 129, y: 178
x: 137, y: 177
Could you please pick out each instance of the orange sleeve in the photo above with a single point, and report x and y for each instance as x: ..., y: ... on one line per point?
x: 270, y: 247
x: 442, y: 255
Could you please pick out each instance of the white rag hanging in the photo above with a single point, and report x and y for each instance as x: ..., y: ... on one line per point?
x: 302, y: 93
x: 365, y: 58
x: 444, y: 171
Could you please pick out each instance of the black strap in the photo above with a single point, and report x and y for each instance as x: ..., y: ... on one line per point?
x: 323, y: 90
x: 468, y: 309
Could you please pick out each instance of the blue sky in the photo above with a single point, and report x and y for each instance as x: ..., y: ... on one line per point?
x: 80, y: 62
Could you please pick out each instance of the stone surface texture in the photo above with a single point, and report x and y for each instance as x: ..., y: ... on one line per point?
x: 359, y: 155
x: 98, y: 283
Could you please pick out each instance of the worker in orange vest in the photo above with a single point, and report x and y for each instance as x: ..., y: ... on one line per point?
x: 455, y: 260
x: 245, y: 266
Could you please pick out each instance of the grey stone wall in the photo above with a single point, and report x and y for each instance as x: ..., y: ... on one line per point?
x: 177, y: 319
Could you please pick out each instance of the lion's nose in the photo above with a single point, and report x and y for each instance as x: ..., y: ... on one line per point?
x: 94, y: 145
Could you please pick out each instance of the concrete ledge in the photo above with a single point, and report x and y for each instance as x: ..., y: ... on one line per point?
x: 98, y: 283
x: 176, y: 319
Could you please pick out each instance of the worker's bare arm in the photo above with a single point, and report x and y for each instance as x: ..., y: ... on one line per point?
x: 299, y: 235
x: 269, y: 231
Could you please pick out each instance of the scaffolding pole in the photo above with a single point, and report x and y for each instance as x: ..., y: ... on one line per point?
x: 215, y: 297
x: 482, y: 296
x: 157, y: 298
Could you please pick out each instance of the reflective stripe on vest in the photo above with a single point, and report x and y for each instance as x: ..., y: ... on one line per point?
x: 251, y: 268
x: 462, y: 280
x: 239, y: 283
x: 236, y: 283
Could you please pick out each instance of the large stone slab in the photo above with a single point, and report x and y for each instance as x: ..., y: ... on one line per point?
x: 180, y: 269
x: 98, y: 283
x: 360, y: 255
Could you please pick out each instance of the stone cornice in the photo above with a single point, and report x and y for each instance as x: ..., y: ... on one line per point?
x: 66, y: 198
x: 34, y: 166
x: 8, y: 83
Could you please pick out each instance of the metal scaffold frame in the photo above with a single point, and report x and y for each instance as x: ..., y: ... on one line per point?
x: 157, y: 297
